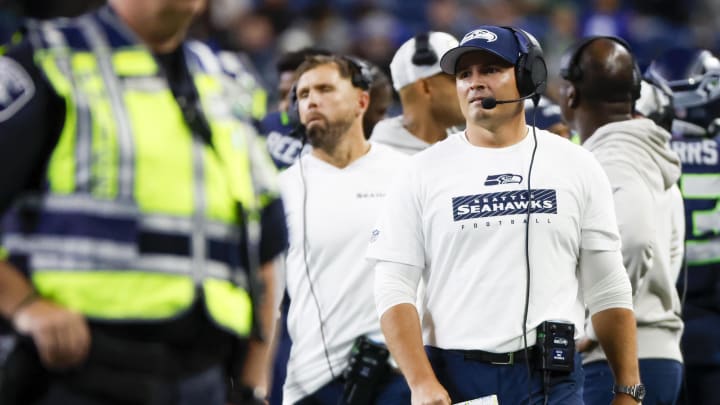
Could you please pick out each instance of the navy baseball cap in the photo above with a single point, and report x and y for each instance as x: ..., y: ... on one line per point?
x: 489, y: 38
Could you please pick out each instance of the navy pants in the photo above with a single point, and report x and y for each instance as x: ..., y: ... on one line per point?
x: 702, y: 386
x: 205, y: 388
x: 701, y: 348
x: 662, y: 379
x: 465, y: 380
x: 394, y: 391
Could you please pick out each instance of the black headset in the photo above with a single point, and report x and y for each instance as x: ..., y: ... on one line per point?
x: 424, y: 54
x: 360, y: 72
x: 570, y: 68
x: 530, y: 69
x: 360, y: 77
x: 293, y: 111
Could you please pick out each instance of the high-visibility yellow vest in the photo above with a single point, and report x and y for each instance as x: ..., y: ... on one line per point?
x: 138, y: 214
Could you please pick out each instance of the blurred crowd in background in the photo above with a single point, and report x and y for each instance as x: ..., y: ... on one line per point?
x: 373, y: 29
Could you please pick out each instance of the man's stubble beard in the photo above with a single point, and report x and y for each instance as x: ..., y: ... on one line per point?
x: 327, y: 137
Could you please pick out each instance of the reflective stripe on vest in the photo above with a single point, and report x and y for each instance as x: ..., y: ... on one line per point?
x: 65, y: 175
x: 139, y: 212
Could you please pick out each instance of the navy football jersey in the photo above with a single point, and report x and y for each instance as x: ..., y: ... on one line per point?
x: 283, y: 143
x: 700, y: 185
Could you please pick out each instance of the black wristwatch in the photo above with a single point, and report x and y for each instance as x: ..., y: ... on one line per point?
x: 636, y: 391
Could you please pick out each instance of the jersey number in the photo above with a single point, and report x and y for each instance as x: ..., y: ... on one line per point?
x: 704, y: 223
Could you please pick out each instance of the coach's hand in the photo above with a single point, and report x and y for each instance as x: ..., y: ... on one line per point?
x: 430, y: 393
x: 62, y: 337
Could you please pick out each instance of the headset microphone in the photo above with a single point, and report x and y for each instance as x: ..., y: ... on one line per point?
x: 489, y: 103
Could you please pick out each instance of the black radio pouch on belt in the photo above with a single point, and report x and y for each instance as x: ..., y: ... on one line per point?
x: 555, y: 346
x: 366, y: 371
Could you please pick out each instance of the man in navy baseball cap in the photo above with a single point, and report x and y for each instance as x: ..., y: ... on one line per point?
x: 497, y: 40
x: 485, y: 324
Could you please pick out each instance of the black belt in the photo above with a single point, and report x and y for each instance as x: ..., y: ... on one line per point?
x: 498, y: 358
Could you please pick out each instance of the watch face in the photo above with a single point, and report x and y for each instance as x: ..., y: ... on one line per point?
x: 635, y: 391
x: 640, y: 392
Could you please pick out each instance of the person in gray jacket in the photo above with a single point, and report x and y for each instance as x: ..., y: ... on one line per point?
x: 428, y: 97
x: 601, y: 85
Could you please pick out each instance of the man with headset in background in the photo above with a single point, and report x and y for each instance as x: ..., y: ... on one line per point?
x: 285, y: 137
x: 427, y: 95
x: 138, y: 212
x: 333, y: 195
x: 601, y: 84
x: 693, y: 75
x: 286, y: 141
x: 510, y: 228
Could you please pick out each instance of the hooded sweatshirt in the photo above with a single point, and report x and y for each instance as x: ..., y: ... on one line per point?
x: 643, y: 172
x: 392, y: 133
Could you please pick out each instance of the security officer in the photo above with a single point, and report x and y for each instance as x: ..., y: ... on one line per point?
x: 138, y: 210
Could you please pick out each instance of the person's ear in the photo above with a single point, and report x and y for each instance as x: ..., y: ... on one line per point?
x: 363, y: 101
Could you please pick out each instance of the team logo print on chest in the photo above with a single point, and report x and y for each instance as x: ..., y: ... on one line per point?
x: 503, y: 203
x: 505, y: 178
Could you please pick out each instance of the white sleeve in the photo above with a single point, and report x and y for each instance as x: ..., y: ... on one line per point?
x: 398, y: 234
x: 605, y: 283
x: 599, y: 230
x: 395, y: 284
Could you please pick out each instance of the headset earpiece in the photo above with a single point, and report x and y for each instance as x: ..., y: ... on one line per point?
x: 424, y: 53
x: 570, y: 64
x: 293, y: 110
x: 360, y: 72
x: 530, y: 69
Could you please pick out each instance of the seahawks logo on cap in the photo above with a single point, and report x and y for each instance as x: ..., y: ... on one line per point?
x: 489, y: 36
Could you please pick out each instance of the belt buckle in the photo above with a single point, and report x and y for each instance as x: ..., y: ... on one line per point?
x: 509, y: 362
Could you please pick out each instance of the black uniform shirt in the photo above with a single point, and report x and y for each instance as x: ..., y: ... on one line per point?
x: 31, y: 119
